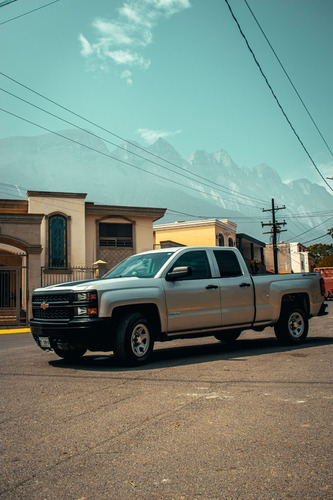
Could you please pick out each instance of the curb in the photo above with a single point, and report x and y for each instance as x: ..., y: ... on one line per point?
x: 14, y: 330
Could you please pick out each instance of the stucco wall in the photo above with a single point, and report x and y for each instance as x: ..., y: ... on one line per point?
x: 142, y: 234
x: 70, y: 205
x: 187, y: 236
x: 195, y: 233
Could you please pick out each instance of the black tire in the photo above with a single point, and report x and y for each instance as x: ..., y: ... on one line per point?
x: 134, y: 340
x: 292, y: 327
x: 71, y: 354
x: 228, y: 335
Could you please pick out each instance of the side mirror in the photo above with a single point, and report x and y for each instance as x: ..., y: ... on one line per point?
x: 178, y: 273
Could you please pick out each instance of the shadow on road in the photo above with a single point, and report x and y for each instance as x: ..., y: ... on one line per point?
x: 165, y: 356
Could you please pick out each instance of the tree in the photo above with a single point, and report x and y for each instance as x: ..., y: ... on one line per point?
x: 330, y: 232
x: 323, y: 254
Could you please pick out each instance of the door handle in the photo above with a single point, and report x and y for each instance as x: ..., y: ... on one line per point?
x: 211, y: 287
x: 244, y: 285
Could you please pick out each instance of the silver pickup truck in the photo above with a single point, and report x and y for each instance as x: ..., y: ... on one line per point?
x: 173, y: 293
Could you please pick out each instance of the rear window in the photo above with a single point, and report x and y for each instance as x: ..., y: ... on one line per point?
x: 228, y: 264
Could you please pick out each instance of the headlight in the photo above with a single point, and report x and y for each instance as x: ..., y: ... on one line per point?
x: 85, y: 296
x: 86, y: 304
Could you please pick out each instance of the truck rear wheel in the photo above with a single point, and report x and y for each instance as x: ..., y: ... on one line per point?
x: 292, y: 327
x: 134, y: 340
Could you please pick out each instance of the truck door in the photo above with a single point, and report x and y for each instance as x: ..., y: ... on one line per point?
x: 237, y: 290
x: 193, y: 302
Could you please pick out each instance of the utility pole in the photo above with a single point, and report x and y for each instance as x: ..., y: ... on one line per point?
x: 275, y: 229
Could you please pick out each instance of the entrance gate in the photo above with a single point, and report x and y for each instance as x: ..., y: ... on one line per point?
x: 13, y: 285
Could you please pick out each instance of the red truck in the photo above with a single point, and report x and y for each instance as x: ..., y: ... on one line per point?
x: 327, y: 275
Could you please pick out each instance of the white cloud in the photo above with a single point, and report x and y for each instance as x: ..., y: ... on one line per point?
x: 126, y: 75
x: 169, y: 7
x: 150, y: 136
x: 86, y: 48
x: 113, y: 33
x: 128, y: 58
x: 121, y: 41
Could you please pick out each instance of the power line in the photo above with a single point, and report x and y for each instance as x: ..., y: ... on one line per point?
x: 115, y: 158
x: 29, y: 12
x: 215, y: 186
x: 315, y: 239
x: 274, y: 95
x: 315, y: 227
x: 226, y: 190
x: 288, y: 77
x: 6, y: 2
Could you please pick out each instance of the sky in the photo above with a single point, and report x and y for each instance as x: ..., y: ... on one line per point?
x: 180, y: 70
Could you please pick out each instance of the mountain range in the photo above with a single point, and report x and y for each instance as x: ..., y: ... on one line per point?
x: 207, y: 185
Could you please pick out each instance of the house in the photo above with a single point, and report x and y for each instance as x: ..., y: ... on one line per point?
x: 253, y: 251
x: 292, y: 257
x: 55, y: 237
x: 207, y: 232
x: 211, y: 232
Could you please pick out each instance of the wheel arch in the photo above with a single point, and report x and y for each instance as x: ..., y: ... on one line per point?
x: 149, y: 311
x: 300, y: 300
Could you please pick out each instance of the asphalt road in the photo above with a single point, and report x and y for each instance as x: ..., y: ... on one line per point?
x: 202, y: 421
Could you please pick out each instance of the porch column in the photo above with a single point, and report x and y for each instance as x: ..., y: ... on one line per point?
x: 34, y: 273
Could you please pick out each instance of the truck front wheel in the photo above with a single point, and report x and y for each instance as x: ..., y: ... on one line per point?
x: 134, y: 340
x: 292, y: 327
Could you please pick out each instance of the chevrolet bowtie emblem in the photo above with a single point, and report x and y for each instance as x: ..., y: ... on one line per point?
x: 44, y: 306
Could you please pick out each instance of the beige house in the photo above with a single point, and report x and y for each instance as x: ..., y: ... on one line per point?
x: 55, y: 237
x: 292, y: 258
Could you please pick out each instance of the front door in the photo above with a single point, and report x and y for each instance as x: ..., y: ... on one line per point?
x: 193, y: 302
x: 11, y: 310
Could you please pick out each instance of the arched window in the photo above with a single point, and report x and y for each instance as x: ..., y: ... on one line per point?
x: 230, y: 242
x: 220, y: 240
x: 57, y: 232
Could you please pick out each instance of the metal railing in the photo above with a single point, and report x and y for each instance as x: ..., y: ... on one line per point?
x: 52, y: 276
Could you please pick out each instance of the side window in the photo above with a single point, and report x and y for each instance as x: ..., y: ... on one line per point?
x: 57, y: 233
x: 228, y: 264
x: 198, y: 262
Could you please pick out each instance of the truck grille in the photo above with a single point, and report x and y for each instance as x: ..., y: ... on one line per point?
x: 51, y: 313
x: 52, y: 306
x: 59, y: 297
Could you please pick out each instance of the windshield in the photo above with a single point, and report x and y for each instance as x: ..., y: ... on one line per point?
x: 141, y: 265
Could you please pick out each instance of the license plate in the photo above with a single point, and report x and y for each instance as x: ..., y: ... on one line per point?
x: 44, y: 342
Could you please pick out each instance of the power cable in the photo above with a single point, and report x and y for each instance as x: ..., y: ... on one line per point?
x: 220, y: 188
x: 274, y: 95
x: 297, y: 223
x: 315, y: 239
x: 288, y: 77
x: 6, y: 2
x: 226, y: 190
x: 117, y: 159
x: 315, y: 227
x: 29, y: 12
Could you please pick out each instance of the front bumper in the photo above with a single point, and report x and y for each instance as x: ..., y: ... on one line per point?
x: 93, y: 334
